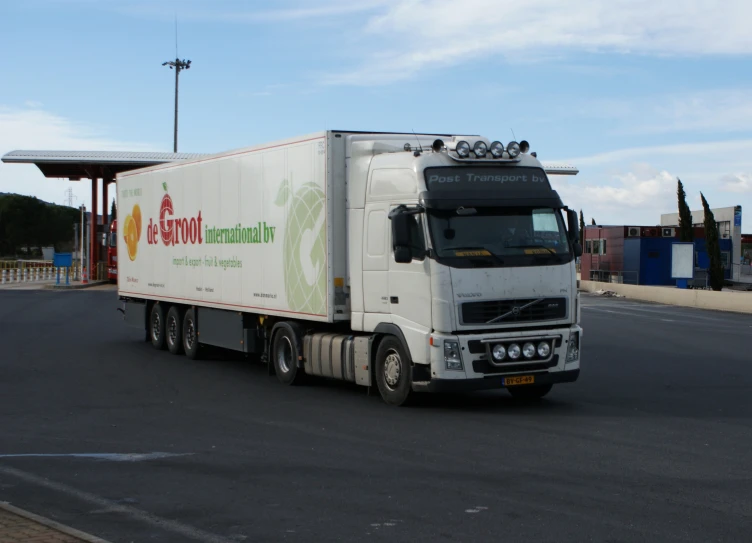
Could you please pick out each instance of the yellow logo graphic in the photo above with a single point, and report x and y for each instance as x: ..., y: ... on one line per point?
x: 132, y: 231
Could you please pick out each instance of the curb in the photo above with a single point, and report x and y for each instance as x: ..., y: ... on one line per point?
x: 80, y: 286
x: 51, y: 524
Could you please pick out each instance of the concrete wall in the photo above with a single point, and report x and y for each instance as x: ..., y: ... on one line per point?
x: 739, y: 302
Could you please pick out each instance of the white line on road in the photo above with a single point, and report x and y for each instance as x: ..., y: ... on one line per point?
x: 135, y: 514
x: 115, y: 457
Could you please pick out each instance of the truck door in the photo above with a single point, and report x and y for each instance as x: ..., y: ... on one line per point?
x: 410, y: 289
x: 376, y: 259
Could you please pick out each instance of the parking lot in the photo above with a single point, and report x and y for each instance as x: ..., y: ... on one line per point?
x: 100, y: 432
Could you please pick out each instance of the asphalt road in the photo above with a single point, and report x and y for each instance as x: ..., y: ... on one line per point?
x: 653, y: 443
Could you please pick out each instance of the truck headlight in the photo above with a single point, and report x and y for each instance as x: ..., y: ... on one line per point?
x: 514, y: 351
x: 573, y: 347
x: 480, y: 149
x: 528, y: 350
x: 499, y: 352
x: 544, y: 349
x: 497, y: 149
x: 513, y: 149
x: 463, y: 149
x: 452, y: 359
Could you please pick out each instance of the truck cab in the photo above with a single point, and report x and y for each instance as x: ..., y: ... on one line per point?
x: 462, y: 250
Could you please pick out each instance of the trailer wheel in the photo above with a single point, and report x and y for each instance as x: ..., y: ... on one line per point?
x: 393, y: 372
x: 532, y: 392
x: 191, y: 345
x: 157, y: 326
x: 285, y: 354
x: 174, y: 330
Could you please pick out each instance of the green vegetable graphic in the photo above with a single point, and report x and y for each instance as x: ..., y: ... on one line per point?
x: 304, y: 252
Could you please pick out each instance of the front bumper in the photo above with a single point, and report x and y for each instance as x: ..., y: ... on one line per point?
x: 492, y: 383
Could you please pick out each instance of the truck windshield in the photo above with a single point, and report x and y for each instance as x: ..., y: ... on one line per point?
x: 493, y: 237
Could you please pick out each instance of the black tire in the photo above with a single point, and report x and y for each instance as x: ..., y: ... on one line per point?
x: 529, y: 392
x: 174, y: 330
x: 191, y: 346
x: 393, y: 372
x: 285, y: 354
x: 157, y: 326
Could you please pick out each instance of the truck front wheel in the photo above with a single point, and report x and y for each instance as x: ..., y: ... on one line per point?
x: 530, y: 392
x: 157, y: 326
x: 393, y: 372
x: 174, y: 330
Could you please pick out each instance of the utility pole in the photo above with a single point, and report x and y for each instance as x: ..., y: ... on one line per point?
x: 177, y: 65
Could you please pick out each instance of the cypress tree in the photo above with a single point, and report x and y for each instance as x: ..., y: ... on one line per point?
x: 113, y: 210
x: 686, y: 231
x: 582, y: 230
x: 592, y: 221
x: 713, y: 247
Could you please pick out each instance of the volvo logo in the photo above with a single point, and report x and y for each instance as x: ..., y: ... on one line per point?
x: 516, y: 311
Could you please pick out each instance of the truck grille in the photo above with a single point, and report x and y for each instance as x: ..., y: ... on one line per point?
x: 506, y: 311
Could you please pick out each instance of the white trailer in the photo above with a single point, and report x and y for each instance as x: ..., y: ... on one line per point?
x: 415, y: 262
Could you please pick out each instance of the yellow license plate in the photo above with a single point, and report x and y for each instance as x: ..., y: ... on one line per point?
x: 519, y: 380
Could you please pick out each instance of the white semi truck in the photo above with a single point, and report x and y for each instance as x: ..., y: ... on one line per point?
x: 426, y: 262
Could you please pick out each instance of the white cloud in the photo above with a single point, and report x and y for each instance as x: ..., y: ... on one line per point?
x: 412, y: 35
x: 239, y: 12
x: 637, y: 185
x: 716, y: 110
x: 636, y: 196
x: 38, y: 129
x: 740, y: 182
x: 706, y: 150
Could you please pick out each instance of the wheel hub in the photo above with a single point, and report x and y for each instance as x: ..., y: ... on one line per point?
x: 284, y: 354
x: 173, y: 331
x: 190, y: 335
x: 392, y: 369
x: 155, y: 327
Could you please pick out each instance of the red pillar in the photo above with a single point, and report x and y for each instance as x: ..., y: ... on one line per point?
x: 105, y: 218
x: 93, y: 245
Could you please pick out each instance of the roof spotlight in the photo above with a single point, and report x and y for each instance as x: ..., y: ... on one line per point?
x: 480, y: 149
x: 438, y: 145
x: 463, y: 149
x: 497, y: 149
x: 524, y: 146
x: 513, y: 149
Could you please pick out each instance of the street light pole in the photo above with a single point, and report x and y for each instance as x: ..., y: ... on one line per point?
x: 177, y: 65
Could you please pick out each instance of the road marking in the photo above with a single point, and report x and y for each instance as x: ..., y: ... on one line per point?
x: 115, y: 457
x: 135, y: 514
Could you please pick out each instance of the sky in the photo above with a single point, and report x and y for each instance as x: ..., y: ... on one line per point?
x: 635, y: 93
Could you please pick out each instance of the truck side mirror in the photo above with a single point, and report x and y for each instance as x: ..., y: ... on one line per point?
x: 573, y: 225
x: 403, y: 255
x: 401, y: 237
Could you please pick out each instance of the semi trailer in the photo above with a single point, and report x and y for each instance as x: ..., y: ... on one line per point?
x: 412, y: 262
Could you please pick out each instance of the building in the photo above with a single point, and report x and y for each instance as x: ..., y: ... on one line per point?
x: 729, y: 220
x: 641, y: 255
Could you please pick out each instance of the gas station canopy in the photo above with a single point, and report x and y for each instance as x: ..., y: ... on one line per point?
x: 94, y: 165
x: 76, y: 165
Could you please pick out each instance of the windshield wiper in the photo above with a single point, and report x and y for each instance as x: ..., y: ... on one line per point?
x: 474, y: 252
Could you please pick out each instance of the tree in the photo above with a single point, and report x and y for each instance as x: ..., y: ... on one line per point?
x: 113, y: 211
x: 32, y: 223
x: 686, y: 231
x: 713, y: 247
x: 582, y: 229
x: 592, y: 221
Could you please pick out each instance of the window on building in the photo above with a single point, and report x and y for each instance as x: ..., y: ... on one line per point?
x: 725, y: 259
